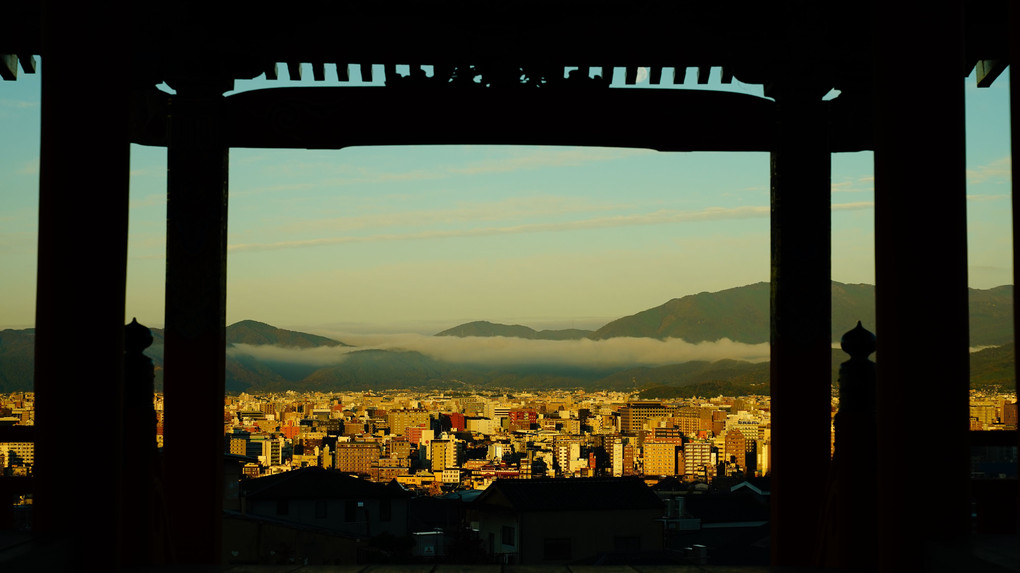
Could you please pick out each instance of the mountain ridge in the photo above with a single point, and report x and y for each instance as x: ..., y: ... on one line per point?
x: 486, y: 328
x: 354, y: 368
x: 741, y: 314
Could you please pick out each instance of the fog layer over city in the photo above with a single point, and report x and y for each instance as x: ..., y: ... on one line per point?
x: 499, y: 350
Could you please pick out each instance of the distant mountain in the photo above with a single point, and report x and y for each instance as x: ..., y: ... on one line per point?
x: 994, y: 367
x: 485, y: 328
x: 740, y: 314
x: 991, y: 316
x: 256, y: 333
x: 850, y: 303
x: 17, y: 359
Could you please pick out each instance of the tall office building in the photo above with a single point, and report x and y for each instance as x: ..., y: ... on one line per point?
x: 615, y: 448
x: 697, y: 458
x: 445, y: 454
x: 400, y: 420
x: 736, y: 446
x: 636, y: 413
x: 660, y: 457
x: 356, y: 457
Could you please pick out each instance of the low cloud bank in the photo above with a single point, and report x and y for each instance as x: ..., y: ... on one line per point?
x: 505, y: 351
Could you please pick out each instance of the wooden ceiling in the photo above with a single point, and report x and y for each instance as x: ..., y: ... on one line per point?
x: 814, y: 46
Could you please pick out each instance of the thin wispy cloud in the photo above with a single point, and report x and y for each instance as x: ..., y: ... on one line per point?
x: 546, y: 157
x: 987, y: 197
x: 998, y: 171
x: 244, y: 191
x: 151, y: 171
x: 506, y: 209
x: 856, y: 185
x: 660, y: 217
x: 856, y: 206
x: 338, y: 173
x: 18, y: 104
x: 153, y: 200
x: 654, y: 218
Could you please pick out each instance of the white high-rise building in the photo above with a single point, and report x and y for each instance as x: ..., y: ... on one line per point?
x: 617, y: 454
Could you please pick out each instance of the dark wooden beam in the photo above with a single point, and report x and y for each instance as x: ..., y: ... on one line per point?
x: 919, y: 150
x: 989, y: 70
x: 655, y: 75
x: 631, y: 75
x: 294, y: 70
x: 81, y: 233
x: 319, y: 71
x: 442, y: 72
x: 343, y: 72
x: 194, y: 347
x: 9, y: 67
x: 801, y: 345
x: 703, y: 74
x: 272, y: 72
x: 728, y: 121
x: 607, y: 74
x: 366, y: 72
x: 679, y: 75
x: 319, y: 118
x: 28, y: 63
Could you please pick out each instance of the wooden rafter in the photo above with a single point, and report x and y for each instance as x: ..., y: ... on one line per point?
x: 9, y: 67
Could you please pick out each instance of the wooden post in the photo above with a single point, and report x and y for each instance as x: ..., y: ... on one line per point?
x: 921, y: 295
x: 196, y: 265
x: 81, y: 277
x: 801, y: 305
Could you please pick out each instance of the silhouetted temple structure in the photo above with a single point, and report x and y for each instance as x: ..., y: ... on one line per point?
x: 499, y: 78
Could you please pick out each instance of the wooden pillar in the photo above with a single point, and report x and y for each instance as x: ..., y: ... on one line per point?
x: 80, y: 284
x: 196, y: 264
x: 801, y: 371
x: 921, y: 285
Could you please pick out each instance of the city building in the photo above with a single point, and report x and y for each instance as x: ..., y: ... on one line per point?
x: 357, y: 457
x: 635, y: 414
x: 660, y: 457
x: 401, y: 420
x: 446, y: 453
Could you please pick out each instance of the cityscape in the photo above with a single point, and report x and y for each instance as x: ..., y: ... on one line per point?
x: 490, y: 443
x: 408, y: 475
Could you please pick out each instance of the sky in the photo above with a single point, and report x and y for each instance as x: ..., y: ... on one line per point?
x: 420, y: 239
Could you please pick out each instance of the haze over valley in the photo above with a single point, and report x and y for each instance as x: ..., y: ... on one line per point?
x: 705, y: 344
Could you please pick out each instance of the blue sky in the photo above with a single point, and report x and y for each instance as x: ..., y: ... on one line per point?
x: 418, y: 239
